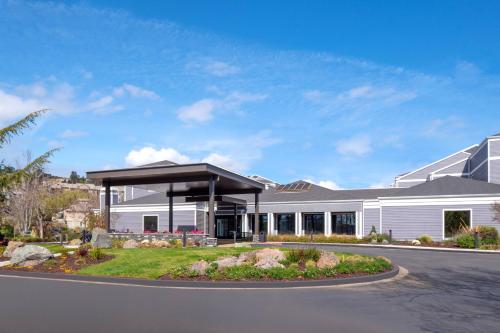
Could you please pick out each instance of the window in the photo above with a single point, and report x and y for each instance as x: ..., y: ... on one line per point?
x: 314, y: 223
x: 285, y: 223
x: 150, y: 223
x: 344, y: 223
x: 262, y: 222
x: 455, y: 220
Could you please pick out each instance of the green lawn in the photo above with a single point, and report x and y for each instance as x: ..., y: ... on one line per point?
x: 54, y: 248
x: 153, y: 263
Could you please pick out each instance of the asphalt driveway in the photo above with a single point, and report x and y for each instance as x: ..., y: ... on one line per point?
x: 444, y: 292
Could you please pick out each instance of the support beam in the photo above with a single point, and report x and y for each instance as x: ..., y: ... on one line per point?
x: 170, y: 210
x: 235, y: 216
x: 107, y: 206
x: 256, y: 219
x: 211, y: 208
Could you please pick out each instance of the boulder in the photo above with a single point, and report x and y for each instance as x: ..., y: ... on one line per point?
x: 267, y: 262
x: 327, y: 260
x: 75, y: 242
x: 31, y: 263
x: 199, y: 267
x: 269, y: 253
x: 130, y: 244
x: 415, y: 242
x: 160, y: 243
x: 226, y: 262
x: 246, y: 257
x: 11, y: 247
x: 385, y: 241
x: 373, y: 241
x: 30, y: 252
x: 100, y: 238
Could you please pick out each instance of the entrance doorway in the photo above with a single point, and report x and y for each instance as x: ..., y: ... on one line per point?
x: 225, y: 226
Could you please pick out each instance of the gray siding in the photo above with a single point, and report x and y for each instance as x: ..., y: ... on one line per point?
x: 423, y: 173
x: 407, y: 184
x: 354, y: 206
x: 495, y: 171
x: 371, y: 217
x: 135, y: 192
x: 460, y: 167
x: 200, y: 220
x: 494, y: 148
x: 410, y: 222
x: 479, y: 157
x: 133, y: 220
x: 481, y: 173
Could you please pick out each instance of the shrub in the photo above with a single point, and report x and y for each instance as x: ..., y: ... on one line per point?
x: 315, y: 239
x: 175, y: 243
x: 7, y: 230
x: 303, y: 255
x: 117, y: 243
x: 465, y: 240
x: 96, y: 253
x: 373, y: 230
x: 425, y: 239
x: 487, y: 234
x: 1, y: 250
x: 381, y: 237
x: 83, y: 250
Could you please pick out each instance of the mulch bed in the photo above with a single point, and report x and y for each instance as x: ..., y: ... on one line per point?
x: 62, y: 264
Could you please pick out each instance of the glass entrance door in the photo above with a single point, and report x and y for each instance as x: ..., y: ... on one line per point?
x: 225, y: 225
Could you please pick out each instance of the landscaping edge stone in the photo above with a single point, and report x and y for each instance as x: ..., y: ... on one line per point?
x: 206, y: 284
x: 381, y: 246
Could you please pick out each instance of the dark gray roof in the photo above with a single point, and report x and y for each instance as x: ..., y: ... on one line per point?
x: 448, y: 185
x: 151, y: 199
x: 471, y: 150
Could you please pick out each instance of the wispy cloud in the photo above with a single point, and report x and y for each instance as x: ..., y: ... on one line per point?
x: 219, y: 68
x: 134, y: 91
x: 355, y: 146
x: 68, y: 134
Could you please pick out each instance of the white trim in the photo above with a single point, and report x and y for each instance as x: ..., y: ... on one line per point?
x: 121, y: 209
x: 411, y: 180
x: 494, y: 158
x: 489, y: 169
x: 494, y: 196
x: 479, y: 148
x: 371, y: 204
x: 440, y: 202
x: 328, y: 223
x: 443, y: 159
x: 455, y: 210
x: 480, y: 165
x: 449, y: 166
x: 157, y: 221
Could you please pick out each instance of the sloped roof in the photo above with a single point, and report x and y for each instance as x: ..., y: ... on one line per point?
x: 448, y: 185
x: 152, y: 199
x: 159, y: 163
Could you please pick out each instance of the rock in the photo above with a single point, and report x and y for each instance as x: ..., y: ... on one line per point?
x: 130, y: 244
x: 75, y: 242
x: 226, y: 262
x: 199, y: 267
x: 145, y: 241
x: 246, y: 257
x: 373, y: 241
x: 160, y: 243
x: 100, y: 238
x: 385, y: 241
x: 31, y: 263
x: 30, y: 252
x: 11, y: 247
x: 415, y: 242
x: 267, y: 262
x: 327, y: 260
x: 269, y: 253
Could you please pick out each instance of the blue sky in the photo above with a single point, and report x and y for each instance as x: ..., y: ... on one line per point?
x: 347, y: 95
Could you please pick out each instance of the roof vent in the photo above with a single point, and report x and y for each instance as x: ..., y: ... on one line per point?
x: 298, y: 186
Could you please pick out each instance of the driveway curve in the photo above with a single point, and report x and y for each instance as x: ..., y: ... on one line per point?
x: 444, y: 292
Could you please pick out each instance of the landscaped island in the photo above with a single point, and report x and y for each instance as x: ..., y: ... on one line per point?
x: 210, y: 263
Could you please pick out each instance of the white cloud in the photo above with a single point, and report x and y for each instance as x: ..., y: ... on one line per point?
x: 357, y: 145
x: 325, y: 183
x: 12, y: 106
x: 86, y: 74
x: 147, y: 155
x: 443, y: 126
x: 219, y: 68
x: 73, y: 134
x: 225, y: 162
x: 201, y: 111
x: 134, y: 91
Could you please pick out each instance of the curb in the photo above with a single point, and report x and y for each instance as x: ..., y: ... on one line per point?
x: 401, y: 247
x: 185, y: 284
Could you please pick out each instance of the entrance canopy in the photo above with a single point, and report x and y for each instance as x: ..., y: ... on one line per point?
x: 202, y: 180
x: 179, y: 180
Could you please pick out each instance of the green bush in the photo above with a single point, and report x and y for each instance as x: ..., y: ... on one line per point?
x: 487, y: 234
x: 465, y: 240
x: 7, y: 231
x: 303, y: 255
x: 96, y: 253
x: 381, y: 237
x: 425, y: 239
x: 117, y: 243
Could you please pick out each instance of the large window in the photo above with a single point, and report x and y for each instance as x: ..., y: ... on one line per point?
x: 285, y: 223
x: 344, y: 223
x: 454, y: 221
x: 150, y: 223
x: 262, y: 222
x: 314, y: 223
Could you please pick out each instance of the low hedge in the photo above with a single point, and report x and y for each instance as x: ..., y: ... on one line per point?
x: 315, y: 239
